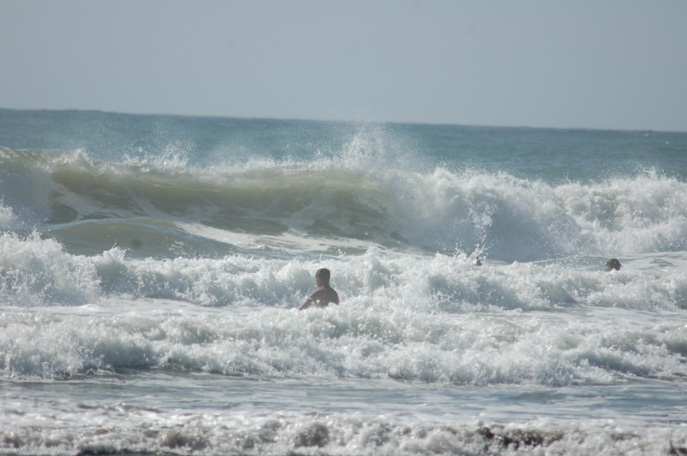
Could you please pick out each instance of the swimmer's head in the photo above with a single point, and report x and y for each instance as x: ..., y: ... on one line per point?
x: 323, y: 274
x: 613, y: 263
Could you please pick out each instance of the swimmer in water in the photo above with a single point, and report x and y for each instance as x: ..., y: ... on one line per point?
x: 612, y: 264
x: 324, y: 293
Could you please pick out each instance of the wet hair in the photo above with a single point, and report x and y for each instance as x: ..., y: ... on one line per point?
x: 613, y: 263
x: 323, y: 274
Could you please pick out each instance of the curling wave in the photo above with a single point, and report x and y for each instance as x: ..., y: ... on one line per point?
x: 91, y: 206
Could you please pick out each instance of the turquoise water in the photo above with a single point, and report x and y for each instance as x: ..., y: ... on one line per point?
x: 553, y: 155
x: 151, y: 268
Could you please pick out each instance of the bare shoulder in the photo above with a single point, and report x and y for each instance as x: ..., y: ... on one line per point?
x: 323, y: 296
x: 334, y: 296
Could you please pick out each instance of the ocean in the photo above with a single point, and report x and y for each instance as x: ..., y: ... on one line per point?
x: 151, y: 269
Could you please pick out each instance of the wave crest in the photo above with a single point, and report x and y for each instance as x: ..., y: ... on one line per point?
x: 331, y: 203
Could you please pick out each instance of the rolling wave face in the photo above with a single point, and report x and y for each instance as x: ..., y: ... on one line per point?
x: 92, y: 206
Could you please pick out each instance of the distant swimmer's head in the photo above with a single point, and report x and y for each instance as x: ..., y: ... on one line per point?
x: 613, y: 263
x: 324, y: 275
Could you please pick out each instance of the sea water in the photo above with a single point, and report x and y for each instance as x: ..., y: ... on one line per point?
x: 151, y: 268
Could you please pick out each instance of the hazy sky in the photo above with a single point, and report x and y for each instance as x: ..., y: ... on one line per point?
x: 580, y: 64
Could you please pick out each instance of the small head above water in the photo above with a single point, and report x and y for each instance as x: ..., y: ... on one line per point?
x: 322, y: 276
x: 613, y: 263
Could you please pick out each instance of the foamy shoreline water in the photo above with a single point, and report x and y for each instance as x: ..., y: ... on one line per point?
x: 149, y: 413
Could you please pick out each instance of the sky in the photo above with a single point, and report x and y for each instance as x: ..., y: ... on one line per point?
x: 606, y: 64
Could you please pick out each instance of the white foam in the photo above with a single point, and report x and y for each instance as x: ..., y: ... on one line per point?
x: 58, y: 427
x: 37, y: 272
x: 7, y: 218
x: 388, y: 329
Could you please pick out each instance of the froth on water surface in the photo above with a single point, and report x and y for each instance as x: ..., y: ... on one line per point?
x: 387, y: 331
x: 209, y: 414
